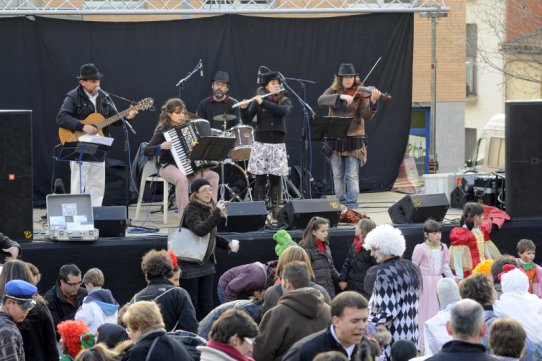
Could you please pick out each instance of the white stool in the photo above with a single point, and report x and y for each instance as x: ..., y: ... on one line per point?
x: 150, y: 174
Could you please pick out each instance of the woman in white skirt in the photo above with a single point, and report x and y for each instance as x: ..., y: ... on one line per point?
x: 268, y: 157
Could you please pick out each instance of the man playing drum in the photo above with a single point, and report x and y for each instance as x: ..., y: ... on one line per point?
x: 217, y: 108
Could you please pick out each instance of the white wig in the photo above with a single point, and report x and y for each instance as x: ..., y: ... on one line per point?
x: 388, y: 239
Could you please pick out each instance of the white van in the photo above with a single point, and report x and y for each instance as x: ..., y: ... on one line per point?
x: 488, y: 156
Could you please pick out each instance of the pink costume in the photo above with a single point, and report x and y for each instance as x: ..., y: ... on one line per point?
x: 433, y: 264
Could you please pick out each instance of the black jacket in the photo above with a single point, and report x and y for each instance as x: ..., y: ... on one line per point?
x: 60, y: 308
x: 175, y: 304
x: 270, y: 125
x: 77, y: 106
x: 208, y: 108
x: 310, y: 346
x: 459, y: 350
x: 325, y: 273
x: 39, y: 337
x: 355, y: 269
x: 201, y: 219
x: 166, y: 348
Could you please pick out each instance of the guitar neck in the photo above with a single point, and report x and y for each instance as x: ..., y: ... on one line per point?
x: 112, y: 119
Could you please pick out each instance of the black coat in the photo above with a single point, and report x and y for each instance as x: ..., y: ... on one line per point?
x: 39, y: 336
x: 355, y: 269
x: 60, y: 308
x: 175, y: 304
x: 77, y: 106
x: 325, y: 273
x: 270, y: 119
x: 201, y: 219
x: 459, y: 351
x: 166, y: 348
x: 310, y: 346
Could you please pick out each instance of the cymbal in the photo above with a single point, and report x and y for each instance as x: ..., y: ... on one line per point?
x: 224, y: 117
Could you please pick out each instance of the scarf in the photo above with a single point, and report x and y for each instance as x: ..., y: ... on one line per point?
x: 321, y: 246
x: 358, y: 244
x: 228, y: 350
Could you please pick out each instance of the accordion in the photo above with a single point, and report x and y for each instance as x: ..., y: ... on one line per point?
x: 183, y: 138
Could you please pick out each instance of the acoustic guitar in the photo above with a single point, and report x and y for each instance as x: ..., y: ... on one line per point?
x: 99, y: 121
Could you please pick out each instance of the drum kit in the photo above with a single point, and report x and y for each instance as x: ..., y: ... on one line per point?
x: 234, y: 179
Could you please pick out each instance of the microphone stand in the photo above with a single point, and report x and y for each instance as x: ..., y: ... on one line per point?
x: 127, y: 172
x: 180, y: 83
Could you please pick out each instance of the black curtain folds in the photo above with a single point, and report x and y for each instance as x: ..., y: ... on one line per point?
x: 41, y: 58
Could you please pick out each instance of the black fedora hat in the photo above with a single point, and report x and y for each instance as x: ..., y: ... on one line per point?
x: 89, y: 72
x: 221, y: 76
x: 346, y: 69
x: 267, y: 77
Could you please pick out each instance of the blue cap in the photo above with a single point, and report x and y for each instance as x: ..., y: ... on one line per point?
x: 20, y: 289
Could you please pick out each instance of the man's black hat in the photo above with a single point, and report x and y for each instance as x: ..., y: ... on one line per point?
x: 89, y: 72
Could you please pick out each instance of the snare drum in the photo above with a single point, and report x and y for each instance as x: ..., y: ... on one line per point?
x: 243, y: 142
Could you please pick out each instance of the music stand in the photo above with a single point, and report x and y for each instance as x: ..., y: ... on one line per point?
x: 323, y: 128
x: 215, y: 149
x: 82, y: 152
x: 329, y: 128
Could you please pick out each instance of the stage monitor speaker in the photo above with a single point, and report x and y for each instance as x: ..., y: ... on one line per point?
x: 460, y: 196
x: 523, y: 121
x: 298, y: 213
x: 417, y: 208
x: 111, y: 221
x: 244, y: 217
x: 16, y: 218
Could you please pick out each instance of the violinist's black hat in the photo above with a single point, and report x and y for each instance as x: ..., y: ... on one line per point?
x: 89, y: 72
x: 221, y: 76
x: 266, y: 78
x: 346, y: 69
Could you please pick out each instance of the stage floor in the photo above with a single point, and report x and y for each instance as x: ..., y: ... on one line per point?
x: 375, y: 205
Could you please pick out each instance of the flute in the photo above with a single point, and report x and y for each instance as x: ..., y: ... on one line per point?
x: 249, y: 100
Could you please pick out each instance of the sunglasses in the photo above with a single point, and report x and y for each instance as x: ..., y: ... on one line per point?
x: 248, y: 340
x: 73, y: 284
x: 25, y: 303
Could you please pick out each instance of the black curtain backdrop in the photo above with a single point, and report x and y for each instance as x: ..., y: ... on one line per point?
x: 41, y: 58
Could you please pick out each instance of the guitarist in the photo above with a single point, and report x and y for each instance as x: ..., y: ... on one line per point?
x: 79, y: 103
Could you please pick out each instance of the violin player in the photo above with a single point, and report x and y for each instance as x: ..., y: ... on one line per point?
x: 347, y: 97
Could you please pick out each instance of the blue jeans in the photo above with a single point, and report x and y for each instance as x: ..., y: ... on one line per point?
x: 345, y: 179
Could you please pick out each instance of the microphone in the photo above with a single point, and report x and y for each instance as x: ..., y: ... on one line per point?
x: 201, y: 68
x: 127, y: 123
x: 104, y: 93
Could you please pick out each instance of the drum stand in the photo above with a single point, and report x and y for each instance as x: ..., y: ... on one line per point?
x: 224, y: 187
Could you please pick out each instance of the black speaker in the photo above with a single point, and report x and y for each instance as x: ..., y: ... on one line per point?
x: 111, y: 221
x: 523, y: 121
x: 16, y: 174
x: 298, y: 213
x: 244, y: 217
x: 416, y: 208
x: 460, y: 196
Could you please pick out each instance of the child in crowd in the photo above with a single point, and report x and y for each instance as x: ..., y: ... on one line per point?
x: 99, y: 306
x: 526, y: 251
x: 433, y: 259
x: 470, y: 243
x: 315, y: 242
x: 71, y: 344
x: 177, y: 272
x: 358, y: 260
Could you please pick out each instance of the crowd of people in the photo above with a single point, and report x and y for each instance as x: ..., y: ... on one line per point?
x: 380, y: 306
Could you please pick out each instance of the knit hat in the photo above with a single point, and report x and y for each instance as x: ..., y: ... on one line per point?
x: 447, y: 292
x: 111, y: 334
x: 403, y: 350
x: 198, y: 183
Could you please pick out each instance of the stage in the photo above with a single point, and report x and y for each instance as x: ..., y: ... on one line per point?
x: 119, y: 258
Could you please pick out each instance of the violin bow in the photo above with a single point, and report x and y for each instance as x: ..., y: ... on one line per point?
x: 373, y: 68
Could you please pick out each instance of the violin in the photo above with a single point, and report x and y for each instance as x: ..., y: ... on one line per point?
x: 366, y: 92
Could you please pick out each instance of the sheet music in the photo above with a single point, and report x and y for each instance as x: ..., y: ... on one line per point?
x: 96, y: 139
